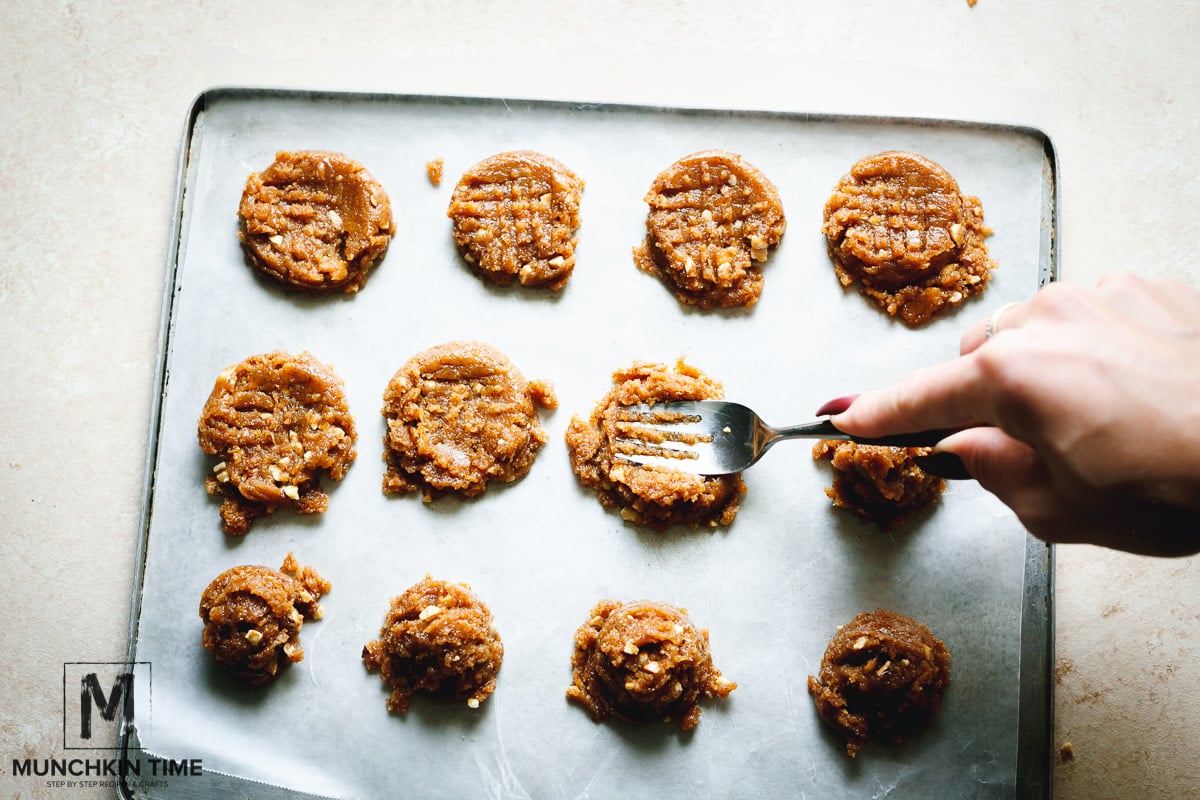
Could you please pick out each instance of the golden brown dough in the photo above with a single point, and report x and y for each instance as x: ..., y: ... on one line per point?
x: 644, y: 662
x: 713, y: 219
x: 438, y: 640
x: 882, y: 484
x: 655, y: 496
x: 898, y: 225
x: 882, y: 677
x: 316, y: 221
x: 514, y: 217
x: 433, y: 170
x: 253, y: 615
x: 277, y: 421
x: 458, y: 416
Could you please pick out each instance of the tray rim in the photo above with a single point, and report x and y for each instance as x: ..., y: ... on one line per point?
x: 1035, y: 700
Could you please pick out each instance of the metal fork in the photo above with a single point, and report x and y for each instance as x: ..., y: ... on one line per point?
x: 714, y: 437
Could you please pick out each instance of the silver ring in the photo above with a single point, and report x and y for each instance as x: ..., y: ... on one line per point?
x: 994, y: 320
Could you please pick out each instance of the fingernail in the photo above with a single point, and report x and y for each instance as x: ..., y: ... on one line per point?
x: 837, y: 405
x: 944, y: 465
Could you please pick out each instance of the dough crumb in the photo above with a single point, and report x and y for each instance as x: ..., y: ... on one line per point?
x: 433, y: 168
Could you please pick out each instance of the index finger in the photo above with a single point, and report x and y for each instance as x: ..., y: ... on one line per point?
x: 952, y: 394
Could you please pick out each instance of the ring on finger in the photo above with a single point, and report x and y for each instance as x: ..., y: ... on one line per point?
x: 993, y: 323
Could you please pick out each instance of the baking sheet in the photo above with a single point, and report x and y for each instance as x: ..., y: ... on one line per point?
x: 771, y: 589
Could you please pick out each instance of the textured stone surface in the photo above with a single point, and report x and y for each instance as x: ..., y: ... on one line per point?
x: 94, y: 101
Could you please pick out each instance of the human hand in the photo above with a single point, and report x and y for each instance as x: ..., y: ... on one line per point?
x: 1081, y: 412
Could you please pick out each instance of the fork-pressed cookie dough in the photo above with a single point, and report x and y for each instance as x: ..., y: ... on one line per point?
x: 656, y: 496
x: 899, y: 226
x: 515, y: 217
x: 460, y: 415
x: 439, y: 640
x: 712, y: 222
x: 644, y: 662
x: 253, y: 615
x: 315, y: 220
x: 277, y: 421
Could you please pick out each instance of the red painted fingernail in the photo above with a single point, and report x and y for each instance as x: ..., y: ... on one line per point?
x: 837, y: 405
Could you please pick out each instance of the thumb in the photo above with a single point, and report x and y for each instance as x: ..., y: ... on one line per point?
x: 1006, y: 467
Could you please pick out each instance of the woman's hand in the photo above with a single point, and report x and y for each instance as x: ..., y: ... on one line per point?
x: 1081, y: 412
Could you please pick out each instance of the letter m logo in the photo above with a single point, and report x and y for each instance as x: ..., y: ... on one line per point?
x: 99, y: 698
x: 90, y: 692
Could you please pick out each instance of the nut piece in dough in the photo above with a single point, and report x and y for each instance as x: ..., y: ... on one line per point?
x: 655, y: 496
x: 276, y: 421
x: 514, y: 217
x: 882, y: 484
x: 458, y: 416
x: 897, y: 224
x: 438, y: 640
x: 315, y: 221
x: 253, y: 615
x: 644, y: 662
x: 713, y: 220
x: 882, y: 677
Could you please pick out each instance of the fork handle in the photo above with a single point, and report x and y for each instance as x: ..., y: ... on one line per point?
x: 823, y: 428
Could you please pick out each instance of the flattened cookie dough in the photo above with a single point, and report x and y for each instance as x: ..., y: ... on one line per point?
x: 713, y: 220
x: 882, y: 484
x: 514, y: 218
x: 253, y: 615
x: 438, y: 640
x: 882, y: 677
x: 898, y: 225
x: 276, y: 421
x: 315, y: 221
x: 655, y: 496
x: 458, y: 416
x: 644, y: 662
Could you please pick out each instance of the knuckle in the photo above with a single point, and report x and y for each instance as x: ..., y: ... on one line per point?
x: 1058, y: 300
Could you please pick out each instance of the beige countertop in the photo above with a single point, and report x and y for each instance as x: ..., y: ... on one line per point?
x: 94, y: 99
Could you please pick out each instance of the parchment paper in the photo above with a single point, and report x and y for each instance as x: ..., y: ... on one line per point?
x: 771, y: 589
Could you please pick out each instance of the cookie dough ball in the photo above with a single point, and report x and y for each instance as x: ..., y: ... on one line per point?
x: 515, y: 216
x: 882, y: 677
x: 882, y: 484
x: 713, y: 220
x: 644, y: 662
x: 458, y: 416
x: 898, y: 225
x: 253, y: 615
x: 438, y: 640
x: 315, y: 221
x: 651, y: 495
x: 277, y: 422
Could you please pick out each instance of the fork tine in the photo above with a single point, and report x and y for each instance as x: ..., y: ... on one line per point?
x: 652, y: 435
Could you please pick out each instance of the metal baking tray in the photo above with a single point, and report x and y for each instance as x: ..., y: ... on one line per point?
x: 771, y: 589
